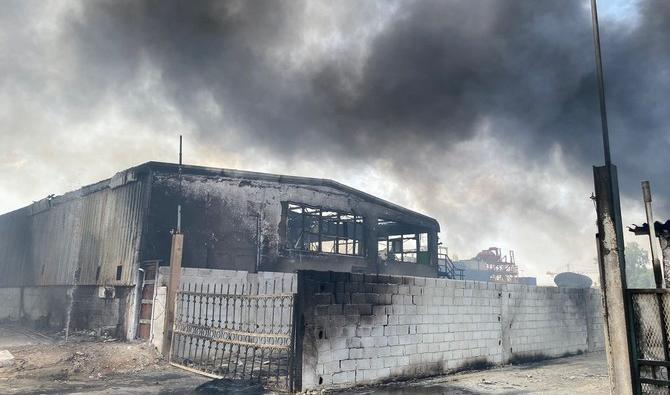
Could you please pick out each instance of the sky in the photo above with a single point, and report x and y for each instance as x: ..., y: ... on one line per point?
x: 480, y: 113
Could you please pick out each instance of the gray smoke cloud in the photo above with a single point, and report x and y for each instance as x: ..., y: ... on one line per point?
x: 483, y: 114
x: 436, y: 70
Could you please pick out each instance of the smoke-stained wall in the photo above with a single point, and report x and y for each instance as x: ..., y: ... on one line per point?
x: 100, y: 234
x: 233, y: 220
x: 365, y: 329
x: 49, y: 307
x: 90, y: 236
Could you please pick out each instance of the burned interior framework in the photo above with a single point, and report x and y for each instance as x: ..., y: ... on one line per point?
x: 105, y: 235
x: 317, y: 230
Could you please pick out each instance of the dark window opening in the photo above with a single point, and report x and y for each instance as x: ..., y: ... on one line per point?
x: 316, y: 229
x: 119, y: 271
x: 399, y: 242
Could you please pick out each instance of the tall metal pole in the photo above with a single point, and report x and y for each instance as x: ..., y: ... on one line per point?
x: 619, y: 337
x: 180, y: 191
x: 176, y: 254
x: 601, y: 83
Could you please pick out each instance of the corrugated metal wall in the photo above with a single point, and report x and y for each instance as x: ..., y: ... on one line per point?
x: 56, y: 235
x: 94, y: 229
x: 14, y: 241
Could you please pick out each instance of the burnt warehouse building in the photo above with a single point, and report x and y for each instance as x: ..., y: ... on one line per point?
x: 103, y: 234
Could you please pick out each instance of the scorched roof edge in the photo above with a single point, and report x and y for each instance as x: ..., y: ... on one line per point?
x: 281, y: 179
x: 241, y: 174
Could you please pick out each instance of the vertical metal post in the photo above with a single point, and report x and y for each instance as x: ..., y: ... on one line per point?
x: 658, y: 273
x: 180, y: 189
x: 601, y: 82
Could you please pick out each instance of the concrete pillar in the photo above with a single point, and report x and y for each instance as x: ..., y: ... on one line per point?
x: 611, y: 262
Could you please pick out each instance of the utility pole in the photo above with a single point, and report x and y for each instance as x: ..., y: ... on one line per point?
x: 176, y: 252
x: 616, y: 306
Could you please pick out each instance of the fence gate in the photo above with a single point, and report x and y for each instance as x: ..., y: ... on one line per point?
x: 235, y: 332
x: 650, y: 318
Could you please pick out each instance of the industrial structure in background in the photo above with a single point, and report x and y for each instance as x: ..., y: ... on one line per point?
x: 502, y: 269
x: 493, y: 266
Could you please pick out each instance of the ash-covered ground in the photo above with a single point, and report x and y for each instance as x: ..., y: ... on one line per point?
x: 90, y: 364
x: 45, y: 364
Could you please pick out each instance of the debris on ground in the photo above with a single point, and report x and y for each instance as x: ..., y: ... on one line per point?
x: 84, y: 335
x: 6, y: 358
x: 95, y: 359
x: 88, y: 360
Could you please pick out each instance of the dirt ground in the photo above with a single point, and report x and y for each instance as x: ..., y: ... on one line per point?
x: 87, y: 364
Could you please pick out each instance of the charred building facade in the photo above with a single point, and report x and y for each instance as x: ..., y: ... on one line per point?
x: 261, y: 222
x: 101, y: 236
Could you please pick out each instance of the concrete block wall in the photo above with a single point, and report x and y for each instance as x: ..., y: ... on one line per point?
x: 361, y: 329
x: 596, y: 321
x: 543, y: 321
